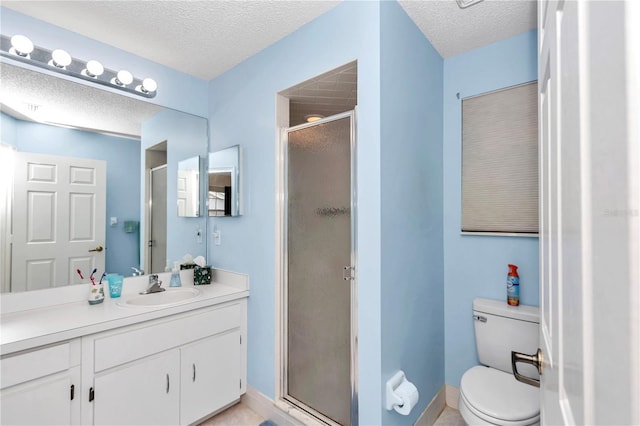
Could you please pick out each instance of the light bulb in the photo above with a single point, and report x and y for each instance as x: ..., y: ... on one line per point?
x: 123, y: 78
x: 313, y: 117
x: 149, y: 85
x: 60, y: 58
x: 93, y: 69
x: 21, y: 46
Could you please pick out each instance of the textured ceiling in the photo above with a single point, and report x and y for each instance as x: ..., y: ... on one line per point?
x: 452, y: 30
x: 328, y: 94
x: 35, y: 96
x: 206, y: 38
x: 201, y: 38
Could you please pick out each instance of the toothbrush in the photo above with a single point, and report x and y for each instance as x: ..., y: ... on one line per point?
x: 91, y: 277
x: 104, y: 274
x: 80, y: 274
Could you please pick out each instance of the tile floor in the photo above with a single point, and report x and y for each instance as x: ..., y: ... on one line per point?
x: 241, y: 415
x: 449, y: 417
x: 238, y: 415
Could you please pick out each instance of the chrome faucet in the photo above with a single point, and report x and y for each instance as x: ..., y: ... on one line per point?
x: 155, y: 285
x: 137, y: 272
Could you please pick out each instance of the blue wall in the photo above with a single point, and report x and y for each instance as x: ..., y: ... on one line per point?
x: 123, y: 178
x: 412, y: 260
x: 242, y: 111
x: 186, y: 136
x: 476, y: 266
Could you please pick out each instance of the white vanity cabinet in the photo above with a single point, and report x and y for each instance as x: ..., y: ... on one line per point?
x: 174, y: 370
x: 205, y: 383
x: 41, y: 386
x: 146, y: 391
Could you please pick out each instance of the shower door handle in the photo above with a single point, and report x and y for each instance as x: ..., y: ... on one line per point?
x: 348, y: 273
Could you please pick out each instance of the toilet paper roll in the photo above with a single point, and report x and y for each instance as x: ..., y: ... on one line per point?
x: 409, y: 395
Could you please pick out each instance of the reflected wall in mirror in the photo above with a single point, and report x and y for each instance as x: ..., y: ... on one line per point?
x: 189, y: 187
x: 69, y: 126
x: 224, y: 193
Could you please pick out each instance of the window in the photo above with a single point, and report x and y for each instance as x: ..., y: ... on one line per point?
x: 500, y: 161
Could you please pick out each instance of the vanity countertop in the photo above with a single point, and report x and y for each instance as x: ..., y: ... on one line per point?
x: 30, y: 328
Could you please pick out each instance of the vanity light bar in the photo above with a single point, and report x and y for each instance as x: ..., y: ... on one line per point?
x: 21, y: 49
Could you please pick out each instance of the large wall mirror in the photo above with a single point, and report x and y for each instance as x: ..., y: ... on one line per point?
x: 75, y: 192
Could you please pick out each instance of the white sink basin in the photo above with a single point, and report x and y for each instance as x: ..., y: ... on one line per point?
x: 169, y: 297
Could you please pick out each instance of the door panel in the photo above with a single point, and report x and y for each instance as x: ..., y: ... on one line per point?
x: 590, y: 235
x: 144, y: 392
x: 158, y: 220
x: 43, y: 401
x: 319, y: 247
x: 59, y: 215
x: 207, y: 384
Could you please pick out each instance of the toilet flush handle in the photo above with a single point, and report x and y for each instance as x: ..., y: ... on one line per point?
x: 535, y: 360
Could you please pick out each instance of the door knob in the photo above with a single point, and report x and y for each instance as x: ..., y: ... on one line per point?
x: 98, y: 249
x: 535, y: 360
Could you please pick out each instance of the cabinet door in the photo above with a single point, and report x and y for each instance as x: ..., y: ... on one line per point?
x: 210, y: 375
x: 45, y: 401
x: 143, y: 392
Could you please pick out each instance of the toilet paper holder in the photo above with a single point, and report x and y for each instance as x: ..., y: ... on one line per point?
x: 401, y: 395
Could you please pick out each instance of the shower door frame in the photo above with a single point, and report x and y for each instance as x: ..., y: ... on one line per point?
x: 282, y: 270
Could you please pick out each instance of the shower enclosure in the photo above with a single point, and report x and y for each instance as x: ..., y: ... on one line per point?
x: 319, y: 269
x: 157, y: 219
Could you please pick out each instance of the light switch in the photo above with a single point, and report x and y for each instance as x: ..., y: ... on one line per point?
x: 216, y: 237
x: 114, y: 221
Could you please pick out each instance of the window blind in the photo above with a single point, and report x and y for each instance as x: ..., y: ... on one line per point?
x: 500, y: 161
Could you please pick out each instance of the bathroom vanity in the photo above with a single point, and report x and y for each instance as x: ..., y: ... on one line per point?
x: 110, y: 364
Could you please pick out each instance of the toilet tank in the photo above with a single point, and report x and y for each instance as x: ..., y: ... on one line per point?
x: 500, y: 329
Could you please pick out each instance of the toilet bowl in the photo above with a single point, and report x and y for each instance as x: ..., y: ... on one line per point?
x: 489, y: 393
x: 492, y: 397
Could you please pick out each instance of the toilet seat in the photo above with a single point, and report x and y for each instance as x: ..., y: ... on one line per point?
x: 496, y: 397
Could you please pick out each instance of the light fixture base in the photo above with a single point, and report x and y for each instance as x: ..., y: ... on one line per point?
x: 41, y: 57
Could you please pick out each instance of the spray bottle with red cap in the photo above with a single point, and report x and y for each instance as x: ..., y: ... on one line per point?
x: 513, y: 286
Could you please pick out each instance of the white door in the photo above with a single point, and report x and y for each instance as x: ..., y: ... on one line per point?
x: 589, y: 66
x: 58, y: 220
x: 188, y: 193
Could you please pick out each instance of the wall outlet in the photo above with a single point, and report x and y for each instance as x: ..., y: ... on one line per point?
x: 216, y: 237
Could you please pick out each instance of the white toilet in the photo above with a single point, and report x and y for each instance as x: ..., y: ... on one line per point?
x: 489, y: 393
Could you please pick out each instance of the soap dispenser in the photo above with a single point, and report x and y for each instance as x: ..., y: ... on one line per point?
x: 175, y: 276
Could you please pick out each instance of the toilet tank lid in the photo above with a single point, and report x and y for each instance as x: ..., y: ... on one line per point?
x: 501, y: 308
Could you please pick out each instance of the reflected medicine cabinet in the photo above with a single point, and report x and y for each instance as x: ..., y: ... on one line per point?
x: 224, y: 182
x: 189, y: 187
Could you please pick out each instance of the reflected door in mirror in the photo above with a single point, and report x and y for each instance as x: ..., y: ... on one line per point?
x: 58, y: 220
x: 189, y: 187
x: 224, y: 194
x: 220, y: 193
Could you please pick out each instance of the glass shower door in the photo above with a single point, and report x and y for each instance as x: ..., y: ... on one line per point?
x: 319, y: 288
